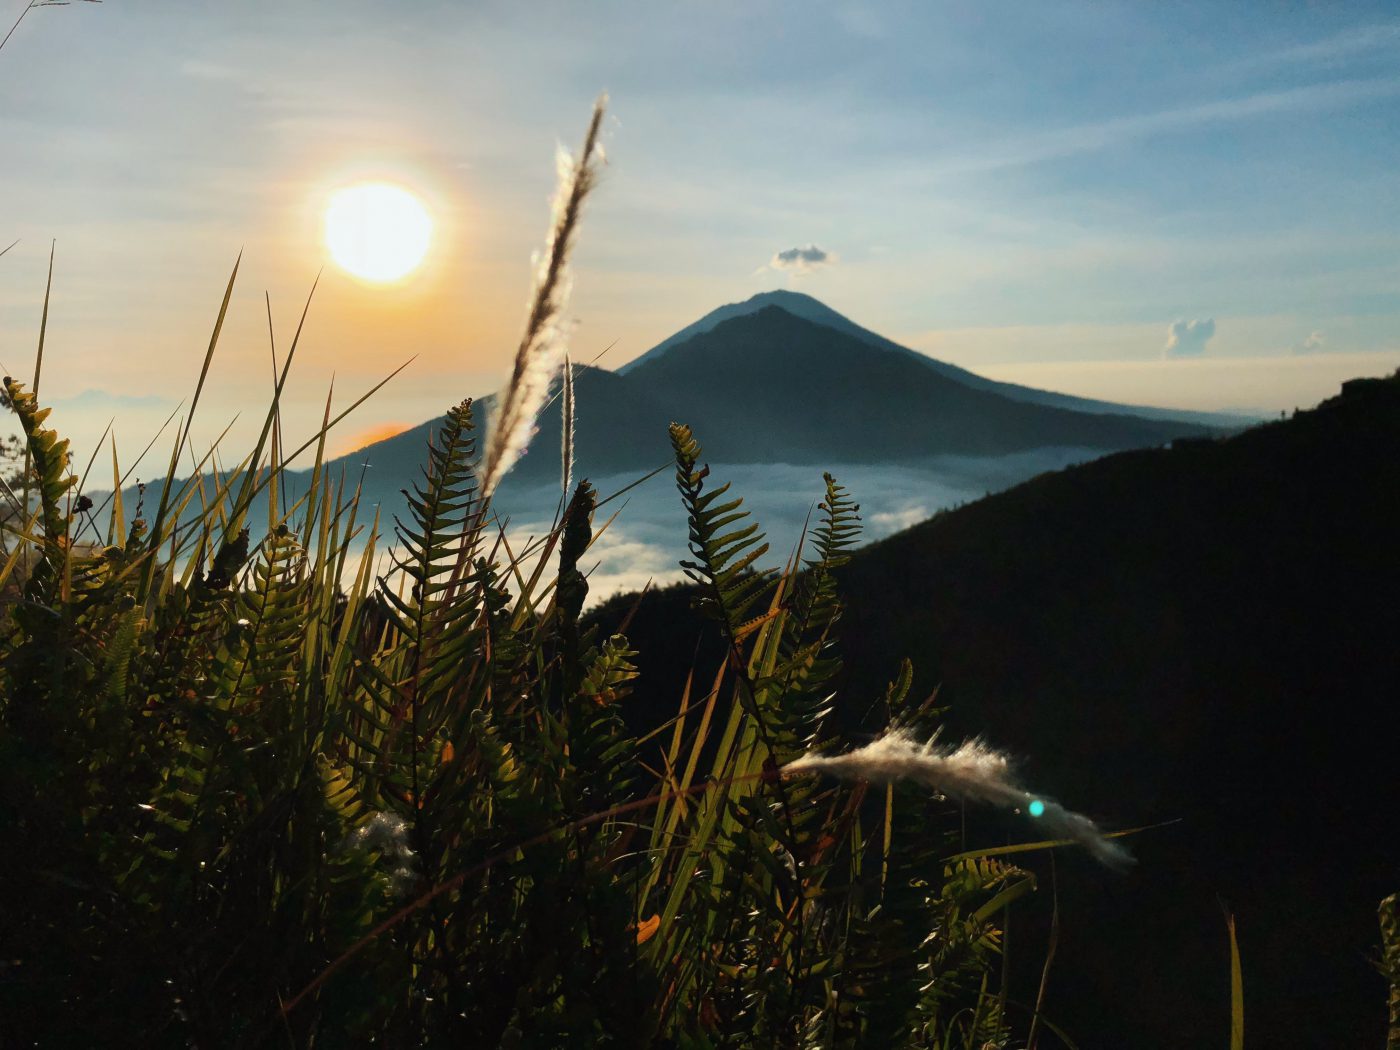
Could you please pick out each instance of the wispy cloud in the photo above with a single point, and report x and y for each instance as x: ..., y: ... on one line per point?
x: 1350, y: 43
x: 1095, y: 137
x: 97, y: 400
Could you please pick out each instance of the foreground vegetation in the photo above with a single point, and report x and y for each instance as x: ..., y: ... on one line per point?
x: 253, y: 792
x: 245, y: 804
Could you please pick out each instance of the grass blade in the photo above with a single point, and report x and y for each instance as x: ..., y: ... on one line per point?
x: 1236, y: 989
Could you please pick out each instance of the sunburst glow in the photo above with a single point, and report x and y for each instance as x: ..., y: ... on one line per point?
x: 377, y: 231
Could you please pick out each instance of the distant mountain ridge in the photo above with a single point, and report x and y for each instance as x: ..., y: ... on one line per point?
x: 816, y: 311
x: 759, y: 383
x: 799, y: 391
x: 767, y: 385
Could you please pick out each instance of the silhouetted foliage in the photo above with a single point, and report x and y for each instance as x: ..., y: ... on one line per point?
x: 244, y: 805
x: 1205, y: 633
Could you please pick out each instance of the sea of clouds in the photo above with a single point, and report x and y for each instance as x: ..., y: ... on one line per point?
x: 645, y: 542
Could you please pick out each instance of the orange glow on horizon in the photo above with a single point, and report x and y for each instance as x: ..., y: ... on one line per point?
x: 370, y: 435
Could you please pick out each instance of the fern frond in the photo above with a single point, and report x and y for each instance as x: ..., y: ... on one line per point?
x: 723, y: 560
x: 50, y: 459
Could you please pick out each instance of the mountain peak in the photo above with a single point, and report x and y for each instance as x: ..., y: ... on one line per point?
x: 796, y: 303
x: 808, y: 308
x: 785, y: 298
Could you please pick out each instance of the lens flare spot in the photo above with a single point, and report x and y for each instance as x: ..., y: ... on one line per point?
x: 1036, y: 808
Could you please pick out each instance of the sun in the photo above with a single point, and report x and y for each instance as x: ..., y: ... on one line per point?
x: 377, y: 231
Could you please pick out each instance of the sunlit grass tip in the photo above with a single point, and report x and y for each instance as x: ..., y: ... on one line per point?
x: 541, y: 349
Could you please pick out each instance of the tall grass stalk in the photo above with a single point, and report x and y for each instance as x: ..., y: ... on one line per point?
x: 542, y: 346
x: 566, y: 429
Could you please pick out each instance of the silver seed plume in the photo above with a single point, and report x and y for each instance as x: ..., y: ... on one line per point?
x: 972, y: 771
x: 541, y: 349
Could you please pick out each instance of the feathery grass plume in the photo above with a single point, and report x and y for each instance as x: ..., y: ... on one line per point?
x: 567, y: 429
x: 387, y: 835
x: 518, y: 406
x: 972, y: 770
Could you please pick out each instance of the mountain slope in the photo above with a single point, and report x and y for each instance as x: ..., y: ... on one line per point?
x: 768, y: 386
x: 772, y: 387
x: 797, y: 391
x: 810, y: 309
x: 618, y: 427
x: 1205, y: 634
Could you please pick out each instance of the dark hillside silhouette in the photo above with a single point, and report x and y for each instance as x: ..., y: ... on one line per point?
x: 1205, y: 633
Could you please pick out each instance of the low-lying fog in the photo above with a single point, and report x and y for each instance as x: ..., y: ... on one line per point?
x: 648, y: 537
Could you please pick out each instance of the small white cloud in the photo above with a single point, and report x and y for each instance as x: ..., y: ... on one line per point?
x: 1189, y: 338
x: 1314, y: 343
x: 801, y: 260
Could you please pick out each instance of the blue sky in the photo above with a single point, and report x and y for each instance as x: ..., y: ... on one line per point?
x: 1035, y: 191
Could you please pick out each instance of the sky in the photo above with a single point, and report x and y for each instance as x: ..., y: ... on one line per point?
x: 1193, y: 205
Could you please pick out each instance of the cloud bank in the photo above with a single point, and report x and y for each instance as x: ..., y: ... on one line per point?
x: 1189, y: 338
x: 647, y: 541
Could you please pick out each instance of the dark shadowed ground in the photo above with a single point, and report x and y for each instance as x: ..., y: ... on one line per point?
x: 1205, y: 634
